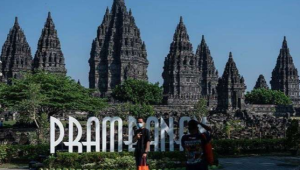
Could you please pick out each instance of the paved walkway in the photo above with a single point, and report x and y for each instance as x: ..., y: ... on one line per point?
x: 261, y: 163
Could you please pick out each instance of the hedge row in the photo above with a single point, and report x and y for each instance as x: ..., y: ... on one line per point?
x: 101, y: 162
x: 210, y: 168
x: 246, y: 146
x: 22, y: 153
x: 110, y: 169
x: 104, y: 160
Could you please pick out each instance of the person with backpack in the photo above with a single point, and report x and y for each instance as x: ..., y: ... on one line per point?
x: 197, y: 147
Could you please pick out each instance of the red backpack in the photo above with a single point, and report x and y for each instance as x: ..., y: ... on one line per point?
x: 208, y: 152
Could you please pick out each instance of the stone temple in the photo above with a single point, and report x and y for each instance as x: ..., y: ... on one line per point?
x: 261, y: 83
x: 285, y: 75
x: 16, y: 58
x: 117, y: 53
x: 209, y: 74
x: 181, y: 70
x: 231, y: 88
x: 16, y: 54
x: 49, y: 56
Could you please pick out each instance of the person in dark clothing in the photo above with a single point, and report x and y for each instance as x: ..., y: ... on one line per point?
x: 193, y: 145
x: 142, y: 136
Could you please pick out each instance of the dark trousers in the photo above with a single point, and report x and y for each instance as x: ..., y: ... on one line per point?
x: 138, y: 160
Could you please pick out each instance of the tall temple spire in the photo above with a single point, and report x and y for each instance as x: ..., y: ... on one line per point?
x: 284, y: 43
x: 261, y: 83
x: 181, y: 32
x: 209, y: 74
x: 231, y: 88
x: 230, y: 66
x: 119, y: 6
x: 107, y: 11
x: 181, y: 74
x: 16, y: 54
x: 16, y: 24
x: 130, y: 12
x: 49, y: 56
x: 49, y: 24
x: 118, y: 52
x: 285, y: 75
x: 181, y: 20
x: 230, y: 54
x: 203, y: 43
x: 49, y: 15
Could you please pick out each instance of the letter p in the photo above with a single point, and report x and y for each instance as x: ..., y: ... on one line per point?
x: 54, y: 143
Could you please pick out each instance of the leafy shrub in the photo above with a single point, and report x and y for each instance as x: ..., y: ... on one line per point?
x: 177, y: 155
x: 115, y: 160
x: 246, y: 146
x: 90, y: 157
x: 50, y: 161
x: 22, y: 153
x: 138, y: 92
x: 200, y: 109
x: 120, y: 163
x: 88, y: 160
x: 266, y: 96
x: 165, y: 163
x: 128, y: 109
x: 68, y: 159
x: 3, y: 154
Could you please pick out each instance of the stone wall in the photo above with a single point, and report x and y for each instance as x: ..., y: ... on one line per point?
x: 22, y: 136
x: 257, y: 121
x: 276, y: 110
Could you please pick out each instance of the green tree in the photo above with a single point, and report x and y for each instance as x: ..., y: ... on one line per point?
x: 138, y: 110
x: 231, y: 125
x: 30, y: 105
x: 266, y: 96
x: 200, y: 109
x: 138, y: 96
x: 138, y: 92
x: 28, y: 109
x: 47, y: 93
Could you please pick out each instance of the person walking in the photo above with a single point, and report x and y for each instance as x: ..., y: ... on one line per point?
x: 194, y: 146
x: 142, y: 137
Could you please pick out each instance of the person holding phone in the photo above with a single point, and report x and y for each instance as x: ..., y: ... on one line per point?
x: 142, y: 137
